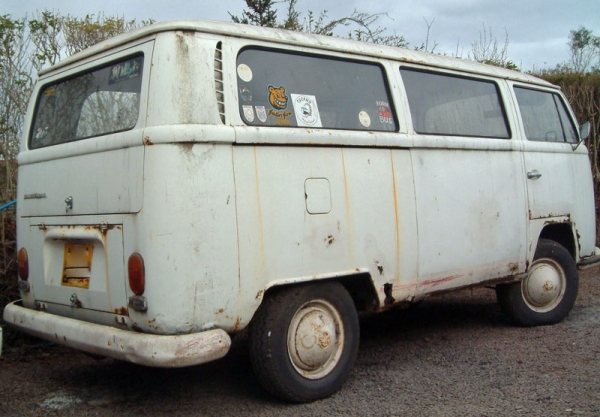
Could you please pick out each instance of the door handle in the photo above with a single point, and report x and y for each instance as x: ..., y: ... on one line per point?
x: 534, y: 175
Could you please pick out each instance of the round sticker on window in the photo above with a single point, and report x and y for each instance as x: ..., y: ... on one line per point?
x: 364, y: 118
x: 244, y: 72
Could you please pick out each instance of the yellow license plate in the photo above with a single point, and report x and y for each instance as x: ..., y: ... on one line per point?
x: 77, y: 265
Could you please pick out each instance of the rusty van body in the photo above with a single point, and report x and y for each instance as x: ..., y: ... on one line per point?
x: 188, y: 180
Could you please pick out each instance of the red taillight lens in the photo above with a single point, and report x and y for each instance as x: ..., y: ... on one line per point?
x: 23, y: 264
x: 137, y: 279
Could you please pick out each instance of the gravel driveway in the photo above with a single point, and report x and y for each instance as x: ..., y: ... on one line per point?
x: 455, y: 355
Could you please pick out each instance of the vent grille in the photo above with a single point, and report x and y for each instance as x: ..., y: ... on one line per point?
x: 219, y: 86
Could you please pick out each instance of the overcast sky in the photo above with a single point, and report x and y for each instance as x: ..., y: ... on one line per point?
x: 537, y: 30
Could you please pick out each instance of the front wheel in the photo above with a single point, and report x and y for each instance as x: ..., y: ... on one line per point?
x: 304, y: 341
x: 548, y: 292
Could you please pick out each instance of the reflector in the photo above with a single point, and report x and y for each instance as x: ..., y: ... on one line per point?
x: 23, y: 264
x: 137, y: 279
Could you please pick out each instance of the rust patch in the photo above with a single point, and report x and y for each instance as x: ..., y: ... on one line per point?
x: 147, y: 141
x: 329, y: 240
x: 221, y: 311
x: 122, y: 311
x: 259, y: 294
x: 236, y: 326
x: 379, y: 267
x: 152, y: 321
x: 438, y: 281
x: 324, y: 340
x: 186, y: 147
x: 387, y: 290
x: 513, y: 267
x: 103, y: 228
x: 548, y: 286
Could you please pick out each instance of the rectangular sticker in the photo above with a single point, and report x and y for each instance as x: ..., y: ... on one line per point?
x: 306, y: 110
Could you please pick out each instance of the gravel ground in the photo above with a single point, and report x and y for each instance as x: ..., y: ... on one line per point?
x: 456, y: 355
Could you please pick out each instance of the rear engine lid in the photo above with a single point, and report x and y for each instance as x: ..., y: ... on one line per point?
x: 108, y: 182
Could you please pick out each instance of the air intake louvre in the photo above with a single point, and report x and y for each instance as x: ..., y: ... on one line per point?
x: 219, y: 81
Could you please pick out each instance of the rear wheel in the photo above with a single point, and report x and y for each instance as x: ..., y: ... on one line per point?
x: 548, y: 293
x: 304, y: 341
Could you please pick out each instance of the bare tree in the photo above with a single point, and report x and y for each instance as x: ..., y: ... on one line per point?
x: 26, y: 46
x: 425, y: 45
x: 488, y: 51
x: 363, y: 25
x: 584, y: 48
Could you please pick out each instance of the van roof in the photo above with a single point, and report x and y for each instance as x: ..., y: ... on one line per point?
x: 288, y: 37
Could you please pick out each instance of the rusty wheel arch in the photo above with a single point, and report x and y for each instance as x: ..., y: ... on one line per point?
x: 563, y: 234
x: 360, y: 287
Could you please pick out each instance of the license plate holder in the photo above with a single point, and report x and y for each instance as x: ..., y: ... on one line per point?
x: 77, y: 265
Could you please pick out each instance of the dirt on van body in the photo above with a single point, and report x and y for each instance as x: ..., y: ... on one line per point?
x: 455, y: 355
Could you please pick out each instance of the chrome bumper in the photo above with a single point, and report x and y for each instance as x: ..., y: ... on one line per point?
x: 141, y: 348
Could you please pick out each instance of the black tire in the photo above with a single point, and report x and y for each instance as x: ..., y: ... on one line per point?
x: 309, y: 371
x: 548, y: 293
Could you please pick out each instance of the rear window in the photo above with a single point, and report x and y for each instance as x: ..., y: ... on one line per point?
x: 545, y: 116
x: 442, y: 104
x: 277, y: 88
x: 104, y: 100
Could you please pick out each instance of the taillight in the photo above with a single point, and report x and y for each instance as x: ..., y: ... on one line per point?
x: 137, y: 279
x: 23, y: 264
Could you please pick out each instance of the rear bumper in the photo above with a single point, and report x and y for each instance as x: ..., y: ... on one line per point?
x: 141, y: 348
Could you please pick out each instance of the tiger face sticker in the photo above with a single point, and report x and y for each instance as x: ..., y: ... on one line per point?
x: 277, y: 97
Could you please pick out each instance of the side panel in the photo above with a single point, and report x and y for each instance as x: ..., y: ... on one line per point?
x: 471, y: 211
x: 564, y: 189
x: 369, y: 228
x: 562, y: 193
x: 187, y: 235
x: 559, y: 180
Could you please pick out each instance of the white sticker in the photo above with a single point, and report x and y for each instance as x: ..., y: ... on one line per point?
x: 306, y: 110
x: 364, y: 118
x: 261, y: 113
x: 244, y: 72
x: 248, y: 113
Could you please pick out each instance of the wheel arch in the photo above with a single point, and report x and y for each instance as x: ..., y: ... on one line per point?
x: 561, y: 233
x: 358, y: 283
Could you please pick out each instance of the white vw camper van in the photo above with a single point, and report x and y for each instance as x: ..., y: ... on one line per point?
x: 188, y: 180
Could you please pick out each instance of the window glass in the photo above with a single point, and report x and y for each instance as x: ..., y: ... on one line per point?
x: 278, y: 88
x: 98, y: 102
x: 545, y: 117
x: 442, y: 104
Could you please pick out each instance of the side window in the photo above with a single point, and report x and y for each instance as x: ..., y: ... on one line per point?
x: 442, y: 104
x: 544, y: 116
x: 104, y: 100
x: 277, y: 88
